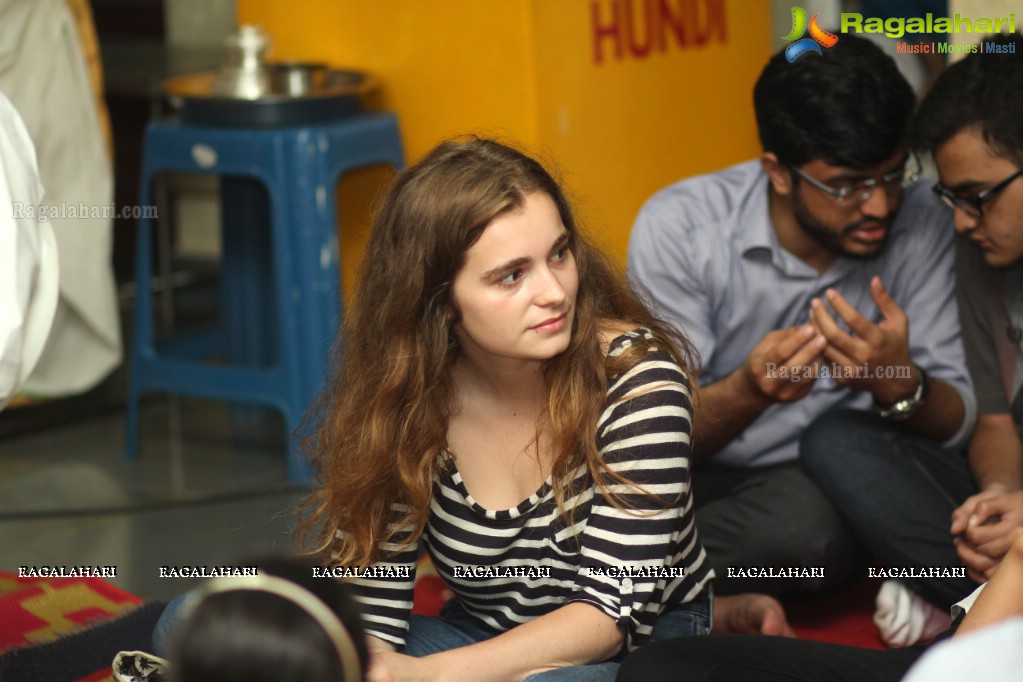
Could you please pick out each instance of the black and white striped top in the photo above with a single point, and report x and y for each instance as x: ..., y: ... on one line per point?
x: 614, y: 560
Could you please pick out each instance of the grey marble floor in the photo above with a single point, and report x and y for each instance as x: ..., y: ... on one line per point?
x: 206, y: 489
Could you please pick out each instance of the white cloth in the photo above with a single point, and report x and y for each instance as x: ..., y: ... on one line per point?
x: 29, y: 267
x: 43, y: 73
x: 993, y: 654
x: 904, y: 618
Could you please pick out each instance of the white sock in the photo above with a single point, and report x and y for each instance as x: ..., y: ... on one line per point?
x: 904, y: 618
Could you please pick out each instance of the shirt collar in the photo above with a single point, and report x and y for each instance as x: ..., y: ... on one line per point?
x: 758, y: 232
x: 757, y: 238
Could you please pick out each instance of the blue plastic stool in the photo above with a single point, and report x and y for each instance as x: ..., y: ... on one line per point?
x: 281, y: 297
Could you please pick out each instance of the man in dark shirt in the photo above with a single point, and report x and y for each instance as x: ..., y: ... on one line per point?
x: 972, y: 127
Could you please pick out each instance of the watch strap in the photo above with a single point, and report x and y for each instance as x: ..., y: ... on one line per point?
x: 906, y: 407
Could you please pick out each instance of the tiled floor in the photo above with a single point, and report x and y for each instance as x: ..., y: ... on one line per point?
x: 209, y: 493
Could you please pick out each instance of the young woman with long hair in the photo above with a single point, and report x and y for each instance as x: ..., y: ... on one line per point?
x: 504, y: 402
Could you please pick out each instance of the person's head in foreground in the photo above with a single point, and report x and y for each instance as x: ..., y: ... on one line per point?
x: 833, y: 130
x: 282, y: 624
x: 475, y: 266
x: 972, y: 123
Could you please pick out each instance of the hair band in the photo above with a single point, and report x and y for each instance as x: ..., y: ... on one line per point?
x: 299, y: 596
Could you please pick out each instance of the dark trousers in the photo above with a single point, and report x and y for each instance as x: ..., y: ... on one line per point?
x: 772, y: 517
x: 896, y: 490
x: 756, y: 658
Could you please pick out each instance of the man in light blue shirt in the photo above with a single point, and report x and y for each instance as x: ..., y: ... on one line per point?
x: 817, y: 278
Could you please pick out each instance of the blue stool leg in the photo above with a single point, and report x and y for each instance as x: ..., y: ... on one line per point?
x: 246, y: 272
x: 318, y: 163
x: 142, y: 326
x: 316, y: 275
x: 289, y: 301
x: 248, y: 324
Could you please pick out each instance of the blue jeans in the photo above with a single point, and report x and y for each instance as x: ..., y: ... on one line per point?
x: 895, y: 489
x: 165, y: 626
x: 455, y: 628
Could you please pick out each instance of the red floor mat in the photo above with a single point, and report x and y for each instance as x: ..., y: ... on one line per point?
x: 843, y: 618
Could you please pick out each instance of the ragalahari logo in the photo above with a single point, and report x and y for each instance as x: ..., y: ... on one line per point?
x: 818, y: 36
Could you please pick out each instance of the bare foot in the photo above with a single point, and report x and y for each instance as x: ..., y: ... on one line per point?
x: 750, y: 613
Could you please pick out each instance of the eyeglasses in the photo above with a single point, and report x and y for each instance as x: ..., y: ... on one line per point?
x: 860, y: 192
x: 973, y: 204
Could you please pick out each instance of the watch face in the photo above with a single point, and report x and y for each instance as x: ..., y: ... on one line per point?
x: 903, y: 409
x: 907, y: 407
x: 902, y: 406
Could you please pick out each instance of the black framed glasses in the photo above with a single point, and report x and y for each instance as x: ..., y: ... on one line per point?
x: 858, y: 193
x: 973, y: 204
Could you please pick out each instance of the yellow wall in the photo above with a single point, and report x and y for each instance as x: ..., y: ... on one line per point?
x: 625, y: 95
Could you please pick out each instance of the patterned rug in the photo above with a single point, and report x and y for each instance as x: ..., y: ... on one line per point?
x: 68, y: 629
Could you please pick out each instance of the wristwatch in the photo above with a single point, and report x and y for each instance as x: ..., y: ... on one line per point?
x: 903, y: 409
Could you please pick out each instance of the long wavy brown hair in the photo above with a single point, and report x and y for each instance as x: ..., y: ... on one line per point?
x: 384, y: 420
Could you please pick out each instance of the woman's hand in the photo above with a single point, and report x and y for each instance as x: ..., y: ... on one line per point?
x: 573, y: 634
x: 389, y: 666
